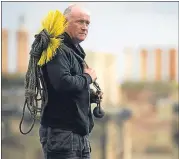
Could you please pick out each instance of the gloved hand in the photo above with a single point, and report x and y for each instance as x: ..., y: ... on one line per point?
x: 95, y: 97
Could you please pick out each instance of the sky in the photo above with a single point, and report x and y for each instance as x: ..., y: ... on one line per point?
x: 114, y: 25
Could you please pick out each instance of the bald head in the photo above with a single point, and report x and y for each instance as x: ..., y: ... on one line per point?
x: 78, y: 22
x: 75, y: 9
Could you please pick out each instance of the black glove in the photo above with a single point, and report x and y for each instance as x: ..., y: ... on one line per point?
x: 94, y: 98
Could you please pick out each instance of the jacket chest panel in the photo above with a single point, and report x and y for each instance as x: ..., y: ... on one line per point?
x: 76, y: 68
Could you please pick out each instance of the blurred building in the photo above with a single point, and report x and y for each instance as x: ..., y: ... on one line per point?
x: 154, y: 63
x: 22, y: 47
x: 22, y: 42
x: 5, y: 51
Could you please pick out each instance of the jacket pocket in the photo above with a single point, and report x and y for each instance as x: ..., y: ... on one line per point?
x: 59, y: 140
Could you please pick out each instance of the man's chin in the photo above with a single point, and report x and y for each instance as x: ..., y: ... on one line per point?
x: 81, y: 39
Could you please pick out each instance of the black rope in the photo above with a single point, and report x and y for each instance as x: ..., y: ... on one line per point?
x: 35, y: 86
x: 34, y: 110
x: 20, y: 125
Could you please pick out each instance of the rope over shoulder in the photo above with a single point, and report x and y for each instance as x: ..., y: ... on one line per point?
x: 42, y: 51
x: 40, y: 44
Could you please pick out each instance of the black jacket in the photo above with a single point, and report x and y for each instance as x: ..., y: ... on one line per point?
x: 68, y: 90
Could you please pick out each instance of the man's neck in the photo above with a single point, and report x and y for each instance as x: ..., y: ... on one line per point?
x: 74, y: 41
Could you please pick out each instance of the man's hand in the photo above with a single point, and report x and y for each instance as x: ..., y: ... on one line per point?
x: 100, y: 95
x: 95, y: 97
x: 91, y: 72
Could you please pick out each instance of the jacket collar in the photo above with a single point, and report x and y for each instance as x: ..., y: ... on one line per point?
x: 68, y: 41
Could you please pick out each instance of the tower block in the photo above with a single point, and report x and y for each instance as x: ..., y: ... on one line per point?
x: 143, y: 57
x: 172, y: 64
x: 158, y: 64
x: 22, y: 48
x: 4, y: 51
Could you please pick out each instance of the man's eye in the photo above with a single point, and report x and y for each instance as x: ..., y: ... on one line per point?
x: 82, y: 22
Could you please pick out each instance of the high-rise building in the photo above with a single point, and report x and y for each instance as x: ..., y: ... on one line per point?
x: 158, y: 64
x: 22, y: 47
x: 143, y: 66
x: 4, y: 51
x: 172, y: 64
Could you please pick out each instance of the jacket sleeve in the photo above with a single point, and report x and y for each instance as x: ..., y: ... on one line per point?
x: 60, y: 78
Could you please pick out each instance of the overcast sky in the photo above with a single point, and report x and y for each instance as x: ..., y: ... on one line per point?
x: 114, y: 25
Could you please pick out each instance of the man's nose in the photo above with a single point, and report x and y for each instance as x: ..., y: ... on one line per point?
x: 84, y: 26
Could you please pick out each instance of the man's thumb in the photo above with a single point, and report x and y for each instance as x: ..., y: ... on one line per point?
x: 85, y: 66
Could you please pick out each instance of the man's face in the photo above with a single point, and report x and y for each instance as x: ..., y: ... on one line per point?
x: 78, y: 25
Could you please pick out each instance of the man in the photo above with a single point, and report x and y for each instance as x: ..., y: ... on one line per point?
x: 67, y: 119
